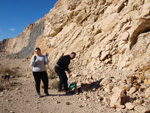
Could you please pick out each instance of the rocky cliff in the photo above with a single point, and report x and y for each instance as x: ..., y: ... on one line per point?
x: 103, y: 33
x: 110, y: 37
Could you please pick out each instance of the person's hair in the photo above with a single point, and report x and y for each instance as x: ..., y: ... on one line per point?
x: 38, y: 49
x: 73, y: 53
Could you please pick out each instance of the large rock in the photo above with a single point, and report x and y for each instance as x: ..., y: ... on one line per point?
x: 141, y: 109
x: 105, y: 81
x: 147, y: 93
x: 118, y: 97
x: 132, y: 90
x: 130, y: 106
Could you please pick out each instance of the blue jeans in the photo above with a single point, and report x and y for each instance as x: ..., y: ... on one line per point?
x: 63, y: 80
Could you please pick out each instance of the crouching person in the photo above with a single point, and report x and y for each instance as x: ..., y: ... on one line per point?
x: 60, y: 68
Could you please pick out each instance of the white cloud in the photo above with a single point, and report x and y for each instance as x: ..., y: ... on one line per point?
x: 12, y: 29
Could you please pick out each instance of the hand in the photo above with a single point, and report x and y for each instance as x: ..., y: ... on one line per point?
x: 35, y: 58
x: 46, y: 54
x: 69, y: 75
x: 69, y: 71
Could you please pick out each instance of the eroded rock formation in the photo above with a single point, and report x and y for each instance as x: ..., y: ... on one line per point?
x: 110, y: 37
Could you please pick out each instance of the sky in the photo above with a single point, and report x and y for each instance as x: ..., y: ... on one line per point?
x: 15, y: 15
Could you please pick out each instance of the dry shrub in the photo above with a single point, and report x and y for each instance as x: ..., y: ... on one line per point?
x: 1, y: 87
x: 54, y: 84
x: 12, y: 72
x: 6, y: 84
x: 52, y: 75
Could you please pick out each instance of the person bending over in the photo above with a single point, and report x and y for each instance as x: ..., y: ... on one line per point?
x: 60, y: 68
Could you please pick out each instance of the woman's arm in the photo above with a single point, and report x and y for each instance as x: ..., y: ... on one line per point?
x: 33, y: 59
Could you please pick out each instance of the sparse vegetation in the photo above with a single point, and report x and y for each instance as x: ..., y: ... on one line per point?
x: 12, y: 72
x: 6, y: 84
x: 53, y: 80
x: 54, y: 84
x: 1, y: 87
x: 52, y: 75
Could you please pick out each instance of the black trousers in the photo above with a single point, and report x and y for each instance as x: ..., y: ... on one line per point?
x: 63, y: 80
x: 38, y: 76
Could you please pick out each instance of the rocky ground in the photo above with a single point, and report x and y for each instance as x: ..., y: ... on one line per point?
x: 18, y: 95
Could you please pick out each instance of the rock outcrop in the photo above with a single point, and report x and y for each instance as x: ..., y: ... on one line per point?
x: 110, y: 37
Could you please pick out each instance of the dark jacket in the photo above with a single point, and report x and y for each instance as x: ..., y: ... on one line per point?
x: 64, y: 62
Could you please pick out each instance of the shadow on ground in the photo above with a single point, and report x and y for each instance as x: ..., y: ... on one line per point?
x: 90, y: 87
x: 84, y: 87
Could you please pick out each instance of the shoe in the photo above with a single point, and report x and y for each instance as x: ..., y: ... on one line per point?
x: 67, y: 92
x: 47, y: 94
x: 59, y: 90
x: 38, y: 95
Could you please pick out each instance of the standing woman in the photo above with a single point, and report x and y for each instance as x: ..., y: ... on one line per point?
x: 39, y: 63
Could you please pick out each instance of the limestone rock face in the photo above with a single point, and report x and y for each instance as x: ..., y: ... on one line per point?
x: 112, y: 42
x: 103, y: 33
x: 98, y: 33
x: 107, y: 35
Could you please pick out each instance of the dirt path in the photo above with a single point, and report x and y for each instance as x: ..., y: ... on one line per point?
x: 21, y: 96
